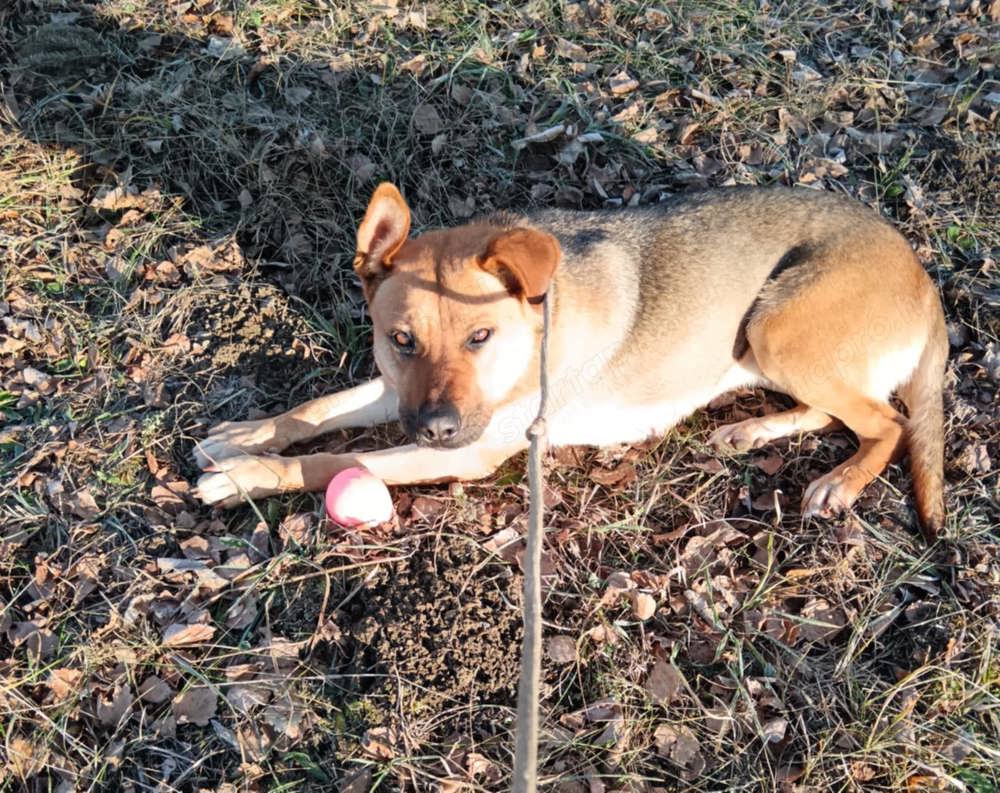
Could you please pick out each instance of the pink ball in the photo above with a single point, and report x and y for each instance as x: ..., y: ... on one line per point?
x: 357, y: 497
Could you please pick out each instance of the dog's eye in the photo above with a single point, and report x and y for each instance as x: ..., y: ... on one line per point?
x: 402, y: 341
x: 480, y: 337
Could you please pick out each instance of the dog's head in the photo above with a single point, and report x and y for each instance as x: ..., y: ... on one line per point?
x: 457, y: 315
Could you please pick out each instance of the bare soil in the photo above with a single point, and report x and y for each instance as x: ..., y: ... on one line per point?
x: 447, y: 621
x: 246, y: 340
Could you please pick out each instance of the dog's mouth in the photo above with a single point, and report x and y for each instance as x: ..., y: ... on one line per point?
x: 472, y: 429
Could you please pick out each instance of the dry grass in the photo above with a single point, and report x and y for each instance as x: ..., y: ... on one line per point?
x: 179, y: 185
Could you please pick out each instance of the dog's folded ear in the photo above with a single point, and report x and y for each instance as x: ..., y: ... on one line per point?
x: 382, y: 232
x: 525, y: 260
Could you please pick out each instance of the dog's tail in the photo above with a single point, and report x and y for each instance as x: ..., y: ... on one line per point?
x: 924, y: 399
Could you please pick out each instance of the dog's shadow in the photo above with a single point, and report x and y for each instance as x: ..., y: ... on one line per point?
x: 189, y: 142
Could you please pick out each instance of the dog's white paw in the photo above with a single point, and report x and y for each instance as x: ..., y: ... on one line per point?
x: 830, y: 495
x: 236, y: 479
x: 233, y: 438
x: 741, y: 437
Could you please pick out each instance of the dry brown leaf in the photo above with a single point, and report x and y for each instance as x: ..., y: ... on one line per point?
x: 688, y: 133
x: 245, y: 696
x: 166, y: 499
x: 600, y: 711
x: 83, y: 505
x: 165, y: 727
x: 253, y: 742
x: 426, y: 508
x: 570, y: 51
x: 788, y: 120
x: 460, y: 208
x: 296, y: 95
x: 361, y: 166
x: 825, y: 621
x: 679, y: 745
x: 478, y: 765
x: 289, y: 718
x: 770, y: 464
x: 36, y: 379
x: 506, y: 544
x: 769, y: 501
x: 282, y: 649
x: 26, y: 758
x: 38, y: 640
x: 621, y: 474
x: 974, y: 459
x: 206, y: 575
x: 357, y: 780
x: 427, y: 120
x: 296, y: 529
x: 540, y: 136
x: 664, y: 682
x: 154, y: 690
x: 622, y: 83
x: 260, y: 543
x: 878, y: 141
x: 711, y: 465
x: 179, y: 634
x: 414, y: 65
x: 643, y: 605
x: 560, y: 649
x: 111, y: 710
x: 698, y: 553
x: 618, y: 584
x: 64, y: 682
x: 787, y: 774
x: 613, y: 732
x: 773, y: 731
x: 196, y: 548
x: 603, y: 634
x: 196, y: 705
x: 242, y: 613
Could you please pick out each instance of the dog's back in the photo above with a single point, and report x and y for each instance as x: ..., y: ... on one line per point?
x: 806, y: 292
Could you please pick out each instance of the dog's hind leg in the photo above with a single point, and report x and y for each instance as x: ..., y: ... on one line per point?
x: 880, y: 431
x: 839, y: 344
x: 754, y: 433
x: 878, y: 426
x: 368, y: 404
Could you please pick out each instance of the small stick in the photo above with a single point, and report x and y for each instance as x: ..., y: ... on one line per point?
x: 526, y: 752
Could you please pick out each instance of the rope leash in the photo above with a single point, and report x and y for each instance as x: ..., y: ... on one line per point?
x: 526, y: 750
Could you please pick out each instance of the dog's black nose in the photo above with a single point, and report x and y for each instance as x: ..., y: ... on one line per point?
x: 438, y: 423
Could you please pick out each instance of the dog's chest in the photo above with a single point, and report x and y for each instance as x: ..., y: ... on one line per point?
x: 609, y: 424
x: 593, y: 419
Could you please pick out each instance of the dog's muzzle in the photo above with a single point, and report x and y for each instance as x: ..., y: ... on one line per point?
x: 442, y: 426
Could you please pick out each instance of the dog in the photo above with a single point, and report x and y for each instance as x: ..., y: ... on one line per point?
x: 654, y: 312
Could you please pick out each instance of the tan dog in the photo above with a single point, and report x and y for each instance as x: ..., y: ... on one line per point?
x: 655, y: 312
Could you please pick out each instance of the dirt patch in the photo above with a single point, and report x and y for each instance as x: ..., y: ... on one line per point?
x: 250, y: 330
x: 245, y: 345
x: 445, y: 622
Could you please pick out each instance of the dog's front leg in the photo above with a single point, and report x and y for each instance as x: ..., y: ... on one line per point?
x: 372, y: 403
x: 236, y: 479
